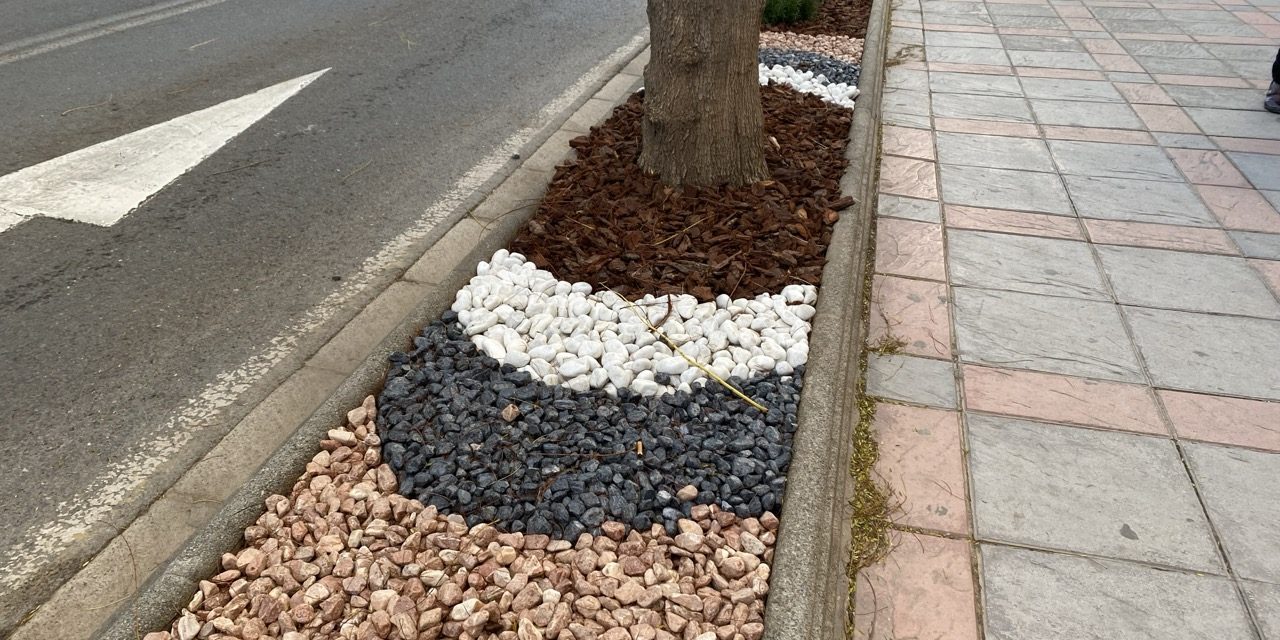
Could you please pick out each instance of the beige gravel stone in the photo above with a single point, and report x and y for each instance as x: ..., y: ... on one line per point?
x: 838, y: 47
x: 346, y: 557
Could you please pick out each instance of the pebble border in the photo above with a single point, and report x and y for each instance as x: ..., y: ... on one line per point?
x: 565, y: 333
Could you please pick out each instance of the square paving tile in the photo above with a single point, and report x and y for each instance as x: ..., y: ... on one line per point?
x: 1062, y: 399
x: 1241, y: 124
x: 967, y: 55
x: 922, y: 464
x: 1106, y: 160
x: 1085, y: 114
x: 911, y: 379
x: 1243, y: 499
x: 1024, y: 263
x: 1105, y: 493
x: 1068, y: 89
x: 909, y: 208
x: 1043, y: 333
x: 1258, y: 245
x: 924, y: 588
x: 1000, y: 152
x: 1195, y: 66
x: 909, y: 248
x: 909, y: 177
x: 1136, y: 200
x: 1209, y: 167
x: 1052, y: 59
x: 904, y: 141
x: 1187, y: 281
x: 1262, y: 170
x: 1213, y: 97
x: 1004, y: 189
x: 1165, y: 49
x: 1264, y: 601
x: 1207, y: 353
x: 979, y: 107
x: 1033, y: 595
x: 913, y: 312
x: 976, y: 83
x: 1161, y: 117
x: 1234, y: 421
x: 907, y: 108
x: 961, y: 39
x: 1243, y: 209
x: 1041, y: 43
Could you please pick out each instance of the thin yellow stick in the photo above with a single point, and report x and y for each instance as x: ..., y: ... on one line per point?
x: 711, y: 374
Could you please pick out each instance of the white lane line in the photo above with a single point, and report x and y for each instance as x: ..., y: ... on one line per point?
x: 76, y: 518
x: 75, y: 34
x: 103, y: 183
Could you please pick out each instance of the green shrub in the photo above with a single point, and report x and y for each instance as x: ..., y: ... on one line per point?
x: 789, y: 11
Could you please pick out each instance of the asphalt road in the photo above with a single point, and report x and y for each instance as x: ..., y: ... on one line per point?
x: 108, y: 333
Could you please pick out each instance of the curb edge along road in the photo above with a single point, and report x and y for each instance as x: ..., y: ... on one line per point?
x: 809, y: 586
x: 181, y: 536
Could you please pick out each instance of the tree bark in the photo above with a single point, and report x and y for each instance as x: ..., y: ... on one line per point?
x: 703, y: 123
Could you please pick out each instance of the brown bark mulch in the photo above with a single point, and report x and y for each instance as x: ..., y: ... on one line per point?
x: 835, y: 18
x: 603, y: 220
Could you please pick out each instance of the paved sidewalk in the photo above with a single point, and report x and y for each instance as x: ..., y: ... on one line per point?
x: 1078, y: 256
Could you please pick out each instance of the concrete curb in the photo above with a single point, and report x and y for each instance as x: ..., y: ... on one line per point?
x: 809, y: 587
x: 430, y: 284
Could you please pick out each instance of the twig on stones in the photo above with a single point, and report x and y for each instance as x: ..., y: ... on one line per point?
x: 676, y: 348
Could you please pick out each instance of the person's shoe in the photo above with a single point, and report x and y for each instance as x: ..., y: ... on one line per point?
x: 1272, y: 103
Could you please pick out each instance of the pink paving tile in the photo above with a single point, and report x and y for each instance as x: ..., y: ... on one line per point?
x: 1065, y: 399
x: 1112, y: 62
x: 904, y: 141
x: 912, y: 312
x: 1070, y: 74
x: 1090, y: 134
x: 960, y: 125
x: 1203, y: 166
x: 923, y: 589
x: 1248, y: 145
x: 1160, y: 236
x: 1139, y: 93
x: 908, y: 177
x: 1270, y: 271
x: 1200, y: 81
x: 956, y: 67
x: 1235, y: 421
x: 1241, y: 209
x: 1099, y: 45
x: 909, y: 248
x: 1018, y: 222
x: 922, y: 466
x: 912, y: 64
x: 1255, y: 17
x: 1269, y: 30
x: 1165, y: 118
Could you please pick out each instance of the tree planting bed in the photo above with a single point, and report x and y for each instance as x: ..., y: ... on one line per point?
x: 594, y: 441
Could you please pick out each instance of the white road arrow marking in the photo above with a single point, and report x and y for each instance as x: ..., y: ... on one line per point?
x: 103, y: 183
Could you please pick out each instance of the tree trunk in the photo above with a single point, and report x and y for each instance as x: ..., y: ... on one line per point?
x: 703, y: 123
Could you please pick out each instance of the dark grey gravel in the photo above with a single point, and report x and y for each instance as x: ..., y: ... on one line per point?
x: 570, y: 461
x: 835, y: 70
